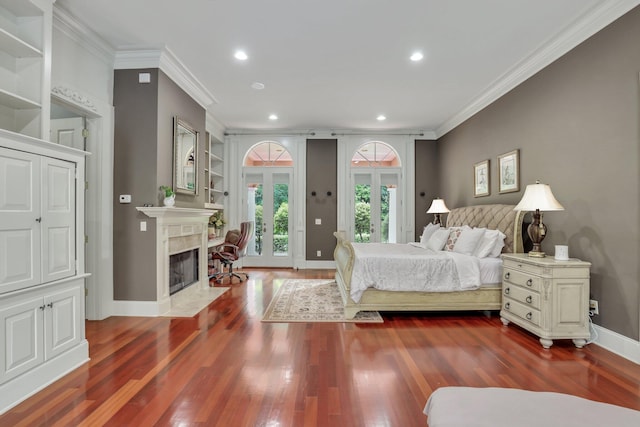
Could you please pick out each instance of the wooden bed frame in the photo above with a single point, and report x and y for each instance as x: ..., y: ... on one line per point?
x: 487, y: 297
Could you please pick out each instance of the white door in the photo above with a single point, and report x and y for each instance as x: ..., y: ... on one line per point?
x: 68, y: 132
x: 63, y: 321
x: 375, y: 205
x: 267, y: 202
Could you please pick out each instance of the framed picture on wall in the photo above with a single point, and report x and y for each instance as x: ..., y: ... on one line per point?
x: 481, y: 186
x: 509, y: 172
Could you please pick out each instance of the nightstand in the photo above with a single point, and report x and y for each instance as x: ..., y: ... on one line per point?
x: 548, y: 298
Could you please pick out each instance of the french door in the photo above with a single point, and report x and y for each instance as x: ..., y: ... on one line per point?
x: 266, y: 201
x: 375, y: 205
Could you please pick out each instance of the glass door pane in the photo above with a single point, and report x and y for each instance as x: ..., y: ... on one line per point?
x: 281, y: 214
x: 363, y: 226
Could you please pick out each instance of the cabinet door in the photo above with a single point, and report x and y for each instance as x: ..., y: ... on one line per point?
x: 19, y: 220
x: 58, y: 219
x: 21, y: 337
x: 63, y: 323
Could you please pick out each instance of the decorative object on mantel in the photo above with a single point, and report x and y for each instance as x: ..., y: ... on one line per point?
x: 216, y: 222
x: 538, y: 197
x: 437, y: 207
x: 169, y: 196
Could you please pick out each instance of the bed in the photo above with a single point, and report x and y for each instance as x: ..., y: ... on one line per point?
x: 486, y: 297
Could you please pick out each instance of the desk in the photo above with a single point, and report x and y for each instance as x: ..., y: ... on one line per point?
x: 212, y: 268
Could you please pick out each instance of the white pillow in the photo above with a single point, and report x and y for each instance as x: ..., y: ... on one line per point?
x: 497, y: 248
x: 438, y: 239
x: 486, y: 244
x: 427, y: 232
x: 468, y: 240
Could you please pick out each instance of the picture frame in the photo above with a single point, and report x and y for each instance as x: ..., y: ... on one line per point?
x: 509, y: 172
x: 481, y: 179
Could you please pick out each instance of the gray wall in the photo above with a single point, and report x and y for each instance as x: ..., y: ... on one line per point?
x: 576, y: 124
x: 322, y: 171
x: 143, y: 153
x: 426, y: 182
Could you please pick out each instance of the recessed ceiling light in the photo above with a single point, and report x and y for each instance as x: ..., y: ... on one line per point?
x: 381, y: 117
x: 257, y: 85
x: 416, y: 56
x: 273, y: 117
x: 241, y: 55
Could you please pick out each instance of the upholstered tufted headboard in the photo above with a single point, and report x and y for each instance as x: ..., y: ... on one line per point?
x: 495, y: 217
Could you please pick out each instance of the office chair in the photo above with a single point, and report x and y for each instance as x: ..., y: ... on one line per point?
x: 233, y: 248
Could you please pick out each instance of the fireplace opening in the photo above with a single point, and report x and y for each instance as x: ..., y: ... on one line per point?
x: 183, y: 270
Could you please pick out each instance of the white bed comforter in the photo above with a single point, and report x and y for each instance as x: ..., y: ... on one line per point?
x: 407, y: 267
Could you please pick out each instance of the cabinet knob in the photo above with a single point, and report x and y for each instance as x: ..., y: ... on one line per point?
x: 529, y: 315
x: 50, y: 305
x: 529, y: 282
x: 39, y: 219
x: 506, y: 291
x: 42, y: 307
x: 529, y: 299
x: 507, y: 274
x: 507, y: 305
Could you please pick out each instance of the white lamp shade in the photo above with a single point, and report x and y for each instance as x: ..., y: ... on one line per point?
x: 438, y: 206
x: 538, y: 196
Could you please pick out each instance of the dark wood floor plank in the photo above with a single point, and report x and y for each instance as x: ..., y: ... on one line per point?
x: 224, y: 367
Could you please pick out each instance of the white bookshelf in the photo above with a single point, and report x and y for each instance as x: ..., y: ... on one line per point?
x: 214, y: 173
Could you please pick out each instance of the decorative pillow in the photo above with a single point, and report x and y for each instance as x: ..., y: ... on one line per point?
x: 427, y: 232
x: 468, y: 240
x: 438, y: 239
x: 454, y: 234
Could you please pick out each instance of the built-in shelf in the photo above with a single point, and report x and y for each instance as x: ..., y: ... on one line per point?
x: 16, y: 47
x: 17, y: 102
x: 215, y: 174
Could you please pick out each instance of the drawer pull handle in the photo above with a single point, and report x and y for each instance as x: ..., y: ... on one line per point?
x: 50, y: 305
x: 519, y: 265
x: 507, y: 305
x: 529, y: 282
x: 507, y: 274
x: 529, y: 299
x: 529, y: 315
x: 506, y: 291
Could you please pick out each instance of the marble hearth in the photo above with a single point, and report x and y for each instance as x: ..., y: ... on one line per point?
x: 178, y: 230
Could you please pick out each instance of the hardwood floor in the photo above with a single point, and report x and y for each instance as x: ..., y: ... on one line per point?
x: 224, y: 367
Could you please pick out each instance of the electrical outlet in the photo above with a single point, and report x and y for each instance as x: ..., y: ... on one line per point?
x: 318, y: 253
x: 593, y: 306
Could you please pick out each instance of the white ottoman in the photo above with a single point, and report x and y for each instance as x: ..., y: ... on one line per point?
x: 508, y: 407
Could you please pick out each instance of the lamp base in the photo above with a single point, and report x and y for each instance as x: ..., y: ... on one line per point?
x: 537, y: 254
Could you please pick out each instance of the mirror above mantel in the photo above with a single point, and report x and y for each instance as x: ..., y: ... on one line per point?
x: 185, y: 157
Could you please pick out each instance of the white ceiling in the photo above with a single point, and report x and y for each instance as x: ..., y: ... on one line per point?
x: 338, y: 64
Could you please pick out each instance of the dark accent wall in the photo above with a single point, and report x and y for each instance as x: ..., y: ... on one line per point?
x: 143, y: 155
x: 576, y: 124
x: 426, y: 182
x: 322, y: 170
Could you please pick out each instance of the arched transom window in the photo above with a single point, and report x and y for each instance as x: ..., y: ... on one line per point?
x: 375, y: 154
x: 268, y: 153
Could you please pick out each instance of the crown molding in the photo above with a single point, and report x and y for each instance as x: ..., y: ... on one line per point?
x: 169, y: 63
x: 592, y: 21
x: 69, y: 25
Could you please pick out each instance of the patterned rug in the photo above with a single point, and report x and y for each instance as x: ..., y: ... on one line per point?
x: 318, y: 300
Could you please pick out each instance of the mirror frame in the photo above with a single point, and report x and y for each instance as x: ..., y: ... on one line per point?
x: 181, y: 129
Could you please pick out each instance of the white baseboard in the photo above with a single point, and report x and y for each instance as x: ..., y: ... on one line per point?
x: 138, y: 308
x: 618, y: 344
x: 317, y: 264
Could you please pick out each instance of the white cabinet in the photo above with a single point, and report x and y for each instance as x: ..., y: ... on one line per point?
x: 37, y: 208
x: 546, y: 297
x: 39, y: 326
x: 41, y: 264
x: 214, y: 173
x: 25, y: 62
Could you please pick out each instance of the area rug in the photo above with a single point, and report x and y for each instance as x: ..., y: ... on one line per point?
x: 189, y: 302
x: 317, y: 300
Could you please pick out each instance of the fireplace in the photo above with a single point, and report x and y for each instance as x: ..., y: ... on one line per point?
x: 183, y: 270
x: 181, y: 239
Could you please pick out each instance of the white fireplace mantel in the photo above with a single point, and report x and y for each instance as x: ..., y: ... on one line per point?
x: 175, y: 225
x: 173, y: 212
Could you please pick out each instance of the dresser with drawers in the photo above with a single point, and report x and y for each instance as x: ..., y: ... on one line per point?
x: 549, y: 298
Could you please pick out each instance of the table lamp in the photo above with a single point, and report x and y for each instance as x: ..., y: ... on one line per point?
x: 538, y: 197
x: 437, y: 207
